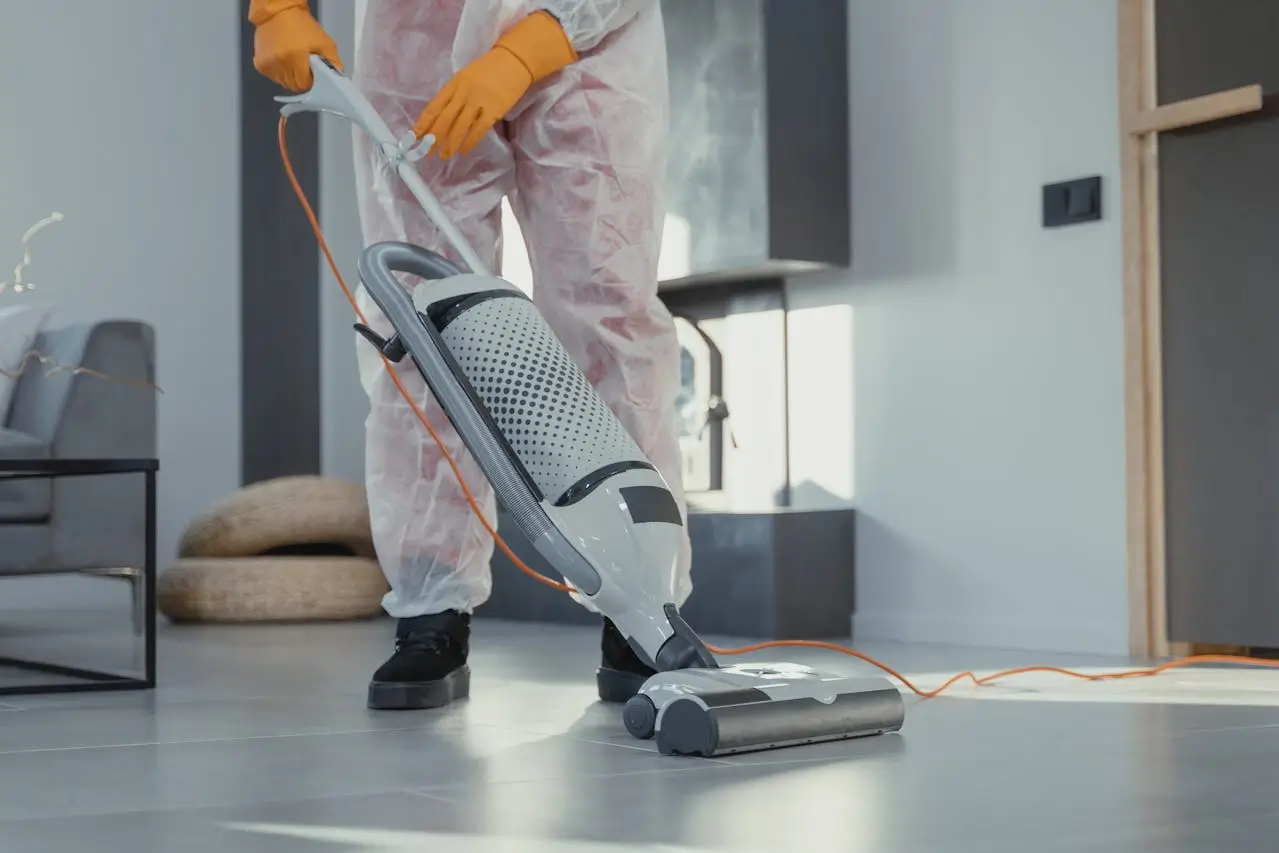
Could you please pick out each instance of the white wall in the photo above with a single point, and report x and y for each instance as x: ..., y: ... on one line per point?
x: 985, y: 351
x: 125, y: 118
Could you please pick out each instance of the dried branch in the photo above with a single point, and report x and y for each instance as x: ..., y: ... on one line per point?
x: 37, y: 357
x: 18, y: 285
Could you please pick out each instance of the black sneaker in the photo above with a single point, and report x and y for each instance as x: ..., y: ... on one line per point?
x: 621, y: 673
x: 428, y: 669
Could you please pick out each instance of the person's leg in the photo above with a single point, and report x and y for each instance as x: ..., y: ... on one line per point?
x: 434, y: 552
x: 590, y: 166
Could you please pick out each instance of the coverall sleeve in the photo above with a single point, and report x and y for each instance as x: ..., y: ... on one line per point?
x: 587, y: 22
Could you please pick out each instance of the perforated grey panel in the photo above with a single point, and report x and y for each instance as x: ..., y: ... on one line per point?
x: 550, y: 415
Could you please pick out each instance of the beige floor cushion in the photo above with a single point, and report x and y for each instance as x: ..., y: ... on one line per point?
x: 286, y: 515
x: 271, y: 589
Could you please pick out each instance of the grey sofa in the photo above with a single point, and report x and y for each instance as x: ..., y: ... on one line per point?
x: 89, y: 524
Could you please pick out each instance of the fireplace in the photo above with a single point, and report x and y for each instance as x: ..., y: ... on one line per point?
x: 732, y: 407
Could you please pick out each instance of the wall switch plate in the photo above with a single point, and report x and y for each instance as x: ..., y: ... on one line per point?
x: 1072, y: 202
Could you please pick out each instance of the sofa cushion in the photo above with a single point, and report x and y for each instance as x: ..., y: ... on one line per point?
x: 26, y: 501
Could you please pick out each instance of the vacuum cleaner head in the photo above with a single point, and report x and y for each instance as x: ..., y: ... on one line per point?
x: 755, y: 706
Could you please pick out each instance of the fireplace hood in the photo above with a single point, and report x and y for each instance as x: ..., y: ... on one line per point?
x: 757, y: 182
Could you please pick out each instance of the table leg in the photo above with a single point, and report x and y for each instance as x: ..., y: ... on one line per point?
x: 149, y: 573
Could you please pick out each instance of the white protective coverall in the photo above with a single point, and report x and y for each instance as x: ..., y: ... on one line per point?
x: 582, y: 159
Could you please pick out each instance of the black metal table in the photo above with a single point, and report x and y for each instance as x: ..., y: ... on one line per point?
x: 89, y: 680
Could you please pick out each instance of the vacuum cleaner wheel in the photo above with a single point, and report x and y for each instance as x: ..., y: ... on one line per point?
x: 640, y: 716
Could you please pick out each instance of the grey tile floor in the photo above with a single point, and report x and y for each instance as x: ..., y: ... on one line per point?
x: 258, y: 740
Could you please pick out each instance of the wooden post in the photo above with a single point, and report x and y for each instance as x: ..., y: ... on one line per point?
x: 1132, y: 48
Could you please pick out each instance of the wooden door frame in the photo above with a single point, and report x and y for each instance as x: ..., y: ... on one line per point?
x: 1141, y: 120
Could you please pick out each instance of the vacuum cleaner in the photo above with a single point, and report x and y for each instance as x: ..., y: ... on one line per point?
x: 575, y: 483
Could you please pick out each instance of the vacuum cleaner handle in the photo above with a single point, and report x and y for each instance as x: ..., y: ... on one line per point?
x: 334, y: 93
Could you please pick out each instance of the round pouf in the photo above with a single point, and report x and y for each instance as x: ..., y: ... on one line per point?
x: 271, y: 589
x: 283, y: 516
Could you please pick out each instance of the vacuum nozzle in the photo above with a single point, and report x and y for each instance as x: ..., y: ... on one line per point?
x: 728, y: 722
x: 757, y: 706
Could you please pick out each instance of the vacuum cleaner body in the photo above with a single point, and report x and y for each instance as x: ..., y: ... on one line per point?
x: 576, y: 484
x: 564, y: 468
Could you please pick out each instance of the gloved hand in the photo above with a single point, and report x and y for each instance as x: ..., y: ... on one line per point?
x: 482, y: 93
x: 286, y: 36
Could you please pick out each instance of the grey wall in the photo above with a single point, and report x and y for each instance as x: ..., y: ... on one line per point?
x: 125, y: 118
x: 984, y: 354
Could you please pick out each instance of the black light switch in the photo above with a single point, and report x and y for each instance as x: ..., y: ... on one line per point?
x: 1072, y: 202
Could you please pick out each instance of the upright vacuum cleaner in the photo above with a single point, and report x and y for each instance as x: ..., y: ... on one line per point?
x: 576, y: 484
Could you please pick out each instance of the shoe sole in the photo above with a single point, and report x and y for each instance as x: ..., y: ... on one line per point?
x: 616, y: 685
x: 420, y: 695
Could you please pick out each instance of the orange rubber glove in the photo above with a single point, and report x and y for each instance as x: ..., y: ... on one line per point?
x: 286, y: 36
x: 482, y: 93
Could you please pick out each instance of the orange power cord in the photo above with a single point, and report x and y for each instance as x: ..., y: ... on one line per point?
x: 771, y: 644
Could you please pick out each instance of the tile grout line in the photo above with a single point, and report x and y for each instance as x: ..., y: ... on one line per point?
x: 438, y: 793
x: 703, y: 765
x: 72, y: 705
x: 208, y: 741
x: 420, y: 793
x: 87, y: 815
x: 332, y: 733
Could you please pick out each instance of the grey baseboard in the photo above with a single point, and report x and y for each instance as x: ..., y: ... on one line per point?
x: 784, y: 574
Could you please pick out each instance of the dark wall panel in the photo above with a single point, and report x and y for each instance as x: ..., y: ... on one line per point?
x: 1206, y: 46
x: 280, y: 269
x: 1220, y: 257
x: 808, y: 136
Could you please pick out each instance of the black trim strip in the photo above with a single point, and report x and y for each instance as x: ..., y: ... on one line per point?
x: 447, y: 310
x: 593, y: 480
x: 738, y: 696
